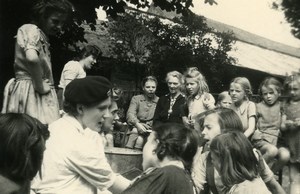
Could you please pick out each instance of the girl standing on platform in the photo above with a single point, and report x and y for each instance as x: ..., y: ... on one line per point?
x: 199, y: 99
x: 291, y: 129
x: 76, y: 69
x: 32, y: 90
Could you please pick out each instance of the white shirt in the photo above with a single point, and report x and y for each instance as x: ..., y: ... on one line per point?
x: 200, y: 104
x: 74, y: 161
x: 72, y: 70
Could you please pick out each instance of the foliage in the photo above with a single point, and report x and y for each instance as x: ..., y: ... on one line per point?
x: 291, y: 10
x: 155, y: 46
x: 292, y: 13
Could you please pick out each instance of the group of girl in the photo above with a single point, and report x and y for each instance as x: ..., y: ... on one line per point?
x: 272, y: 126
x: 226, y: 164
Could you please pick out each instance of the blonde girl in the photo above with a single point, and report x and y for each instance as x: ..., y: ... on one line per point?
x: 290, y: 126
x: 240, y: 90
x: 199, y: 99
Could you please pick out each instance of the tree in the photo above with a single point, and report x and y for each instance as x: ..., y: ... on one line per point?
x: 152, y: 46
x: 291, y: 10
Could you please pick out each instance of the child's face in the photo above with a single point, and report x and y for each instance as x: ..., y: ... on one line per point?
x: 237, y: 93
x: 211, y: 126
x: 149, y: 88
x: 149, y: 155
x: 226, y: 102
x: 191, y: 86
x: 174, y: 85
x: 294, y: 88
x: 53, y: 24
x: 269, y: 94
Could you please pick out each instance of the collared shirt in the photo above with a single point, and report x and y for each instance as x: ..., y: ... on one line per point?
x: 141, y: 110
x: 74, y: 161
x: 200, y: 104
x: 246, y: 110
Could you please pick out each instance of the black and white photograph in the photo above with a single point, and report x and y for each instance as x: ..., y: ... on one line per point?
x: 149, y: 97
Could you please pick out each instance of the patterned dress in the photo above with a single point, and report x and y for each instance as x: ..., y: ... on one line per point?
x: 19, y: 94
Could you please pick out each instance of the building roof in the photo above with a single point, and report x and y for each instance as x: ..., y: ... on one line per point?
x: 253, y: 51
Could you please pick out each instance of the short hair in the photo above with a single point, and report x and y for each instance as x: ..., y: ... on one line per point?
x: 239, y: 162
x: 194, y: 73
x: 88, y: 50
x: 71, y: 107
x: 149, y: 78
x: 245, y: 84
x: 270, y: 81
x: 176, y: 74
x: 44, y: 8
x: 176, y: 141
x: 228, y: 119
x: 223, y: 95
x: 116, y: 93
x: 22, y: 144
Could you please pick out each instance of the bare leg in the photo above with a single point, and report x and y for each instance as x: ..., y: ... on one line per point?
x: 282, y: 159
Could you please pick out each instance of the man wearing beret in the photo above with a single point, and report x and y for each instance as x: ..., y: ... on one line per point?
x: 74, y: 159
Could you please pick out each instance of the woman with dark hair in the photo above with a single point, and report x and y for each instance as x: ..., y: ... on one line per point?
x: 167, y: 156
x: 32, y: 90
x: 74, y: 161
x: 140, y: 113
x: 233, y: 157
x: 22, y: 144
x: 76, y: 69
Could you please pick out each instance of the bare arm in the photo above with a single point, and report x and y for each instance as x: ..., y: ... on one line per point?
x: 120, y: 184
x: 275, y: 187
x: 35, y: 70
x: 251, y: 127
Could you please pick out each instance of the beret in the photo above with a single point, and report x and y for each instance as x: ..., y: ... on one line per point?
x: 91, y: 89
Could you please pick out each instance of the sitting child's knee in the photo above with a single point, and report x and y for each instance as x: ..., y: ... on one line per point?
x: 284, y: 154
